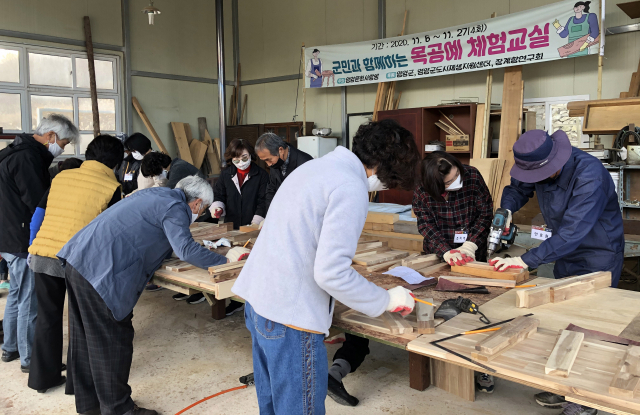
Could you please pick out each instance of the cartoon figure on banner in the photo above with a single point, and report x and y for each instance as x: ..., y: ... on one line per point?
x: 315, y: 72
x: 582, y: 31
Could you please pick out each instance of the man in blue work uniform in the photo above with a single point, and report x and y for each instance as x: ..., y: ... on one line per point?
x: 579, y: 204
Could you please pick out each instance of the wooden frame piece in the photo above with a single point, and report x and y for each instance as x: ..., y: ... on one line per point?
x: 563, y: 289
x: 609, y: 118
x: 564, y: 353
x: 489, y: 282
x: 485, y: 270
x: 626, y: 381
x: 374, y: 259
x: 508, y: 336
x: 396, y: 324
x: 424, y: 315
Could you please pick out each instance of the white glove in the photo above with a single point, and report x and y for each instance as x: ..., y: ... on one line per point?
x: 261, y: 224
x: 214, y: 245
x: 217, y: 213
x: 590, y: 39
x: 237, y: 254
x: 502, y: 264
x: 560, y: 29
x: 257, y: 220
x: 466, y: 253
x: 400, y: 301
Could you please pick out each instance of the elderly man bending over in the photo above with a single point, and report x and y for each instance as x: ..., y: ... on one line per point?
x: 108, y: 264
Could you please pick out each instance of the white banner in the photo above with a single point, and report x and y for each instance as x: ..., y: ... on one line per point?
x: 556, y: 31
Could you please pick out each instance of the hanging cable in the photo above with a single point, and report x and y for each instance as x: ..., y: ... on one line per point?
x: 295, y: 112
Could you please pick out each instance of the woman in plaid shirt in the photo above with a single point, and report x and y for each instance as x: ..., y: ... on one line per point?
x: 454, y: 209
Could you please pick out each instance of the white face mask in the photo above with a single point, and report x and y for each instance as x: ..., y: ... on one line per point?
x: 456, y: 185
x: 243, y: 165
x: 136, y: 155
x: 375, y: 185
x: 55, y: 149
x: 194, y: 216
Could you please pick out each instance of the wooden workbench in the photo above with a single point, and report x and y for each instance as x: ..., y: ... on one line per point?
x: 608, y: 310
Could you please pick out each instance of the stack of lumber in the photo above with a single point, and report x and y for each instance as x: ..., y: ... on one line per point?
x: 486, y: 271
x: 491, y: 171
x: 209, y: 231
x: 563, y: 289
x: 388, y: 323
x: 425, y: 265
x: 379, y: 260
x: 212, y: 163
x: 381, y: 227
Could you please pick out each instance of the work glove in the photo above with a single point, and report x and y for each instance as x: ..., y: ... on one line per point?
x: 502, y: 264
x: 465, y: 254
x: 400, y: 301
x: 217, y: 213
x: 261, y: 225
x: 507, y: 224
x: 560, y: 30
x: 238, y: 254
x: 257, y: 220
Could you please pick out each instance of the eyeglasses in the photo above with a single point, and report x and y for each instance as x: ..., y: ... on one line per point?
x: 242, y: 159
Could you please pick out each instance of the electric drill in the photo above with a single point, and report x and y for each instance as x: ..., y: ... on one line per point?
x: 496, y: 232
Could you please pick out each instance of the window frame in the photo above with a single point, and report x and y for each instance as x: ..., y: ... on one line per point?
x: 26, y: 90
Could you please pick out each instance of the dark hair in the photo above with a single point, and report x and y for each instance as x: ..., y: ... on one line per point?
x: 435, y: 166
x: 583, y: 3
x: 138, y: 142
x: 236, y: 148
x: 153, y: 163
x: 271, y: 142
x: 391, y: 150
x: 315, y: 50
x: 107, y: 150
x: 70, y: 163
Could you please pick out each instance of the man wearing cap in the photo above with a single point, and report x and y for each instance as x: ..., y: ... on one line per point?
x: 579, y: 204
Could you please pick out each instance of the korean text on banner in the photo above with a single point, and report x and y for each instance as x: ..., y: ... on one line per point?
x: 555, y: 31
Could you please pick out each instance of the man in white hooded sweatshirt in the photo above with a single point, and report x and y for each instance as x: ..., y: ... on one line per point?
x: 301, y: 264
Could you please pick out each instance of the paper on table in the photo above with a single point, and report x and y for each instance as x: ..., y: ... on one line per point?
x: 409, y: 275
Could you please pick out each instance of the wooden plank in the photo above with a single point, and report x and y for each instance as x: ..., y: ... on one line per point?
x: 403, y: 226
x: 242, y: 236
x: 388, y: 218
x: 632, y: 331
x: 407, y: 260
x: 226, y: 267
x: 147, y: 123
x: 187, y: 131
x: 374, y: 259
x: 424, y: 314
x: 202, y: 127
x: 396, y: 324
x: 179, y: 266
x: 373, y: 247
x: 484, y: 270
x: 575, y: 289
x: 382, y: 227
x: 249, y: 228
x: 489, y: 282
x: 92, y: 76
x: 626, y: 381
x: 421, y: 261
x: 511, y: 110
x: 383, y: 266
x: 562, y: 289
x: 397, y: 242
x: 409, y: 236
x: 634, y: 85
x: 213, y: 154
x: 479, y: 130
x: 453, y: 378
x: 564, y: 354
x: 198, y: 151
x: 510, y: 334
x: 223, y: 289
x: 577, y: 108
x: 428, y: 271
x: 181, y: 141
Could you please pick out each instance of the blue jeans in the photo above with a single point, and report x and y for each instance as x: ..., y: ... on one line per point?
x: 21, y: 309
x: 289, y: 367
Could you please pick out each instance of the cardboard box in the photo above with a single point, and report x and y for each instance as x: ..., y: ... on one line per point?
x: 458, y: 143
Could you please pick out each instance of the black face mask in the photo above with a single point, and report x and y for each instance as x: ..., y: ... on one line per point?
x: 278, y: 164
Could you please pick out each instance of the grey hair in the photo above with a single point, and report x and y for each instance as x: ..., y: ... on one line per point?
x: 270, y: 142
x: 59, y: 124
x: 195, y: 187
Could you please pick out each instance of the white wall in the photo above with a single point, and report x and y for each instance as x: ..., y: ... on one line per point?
x: 271, y: 32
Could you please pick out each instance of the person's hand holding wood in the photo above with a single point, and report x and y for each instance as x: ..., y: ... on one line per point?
x: 463, y: 255
x: 400, y: 301
x: 238, y: 254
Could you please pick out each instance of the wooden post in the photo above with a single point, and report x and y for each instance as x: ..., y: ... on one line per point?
x: 304, y: 92
x: 487, y: 112
x: 419, y: 372
x: 244, y: 107
x: 92, y: 77
x: 218, y: 310
x: 596, y: 138
x: 147, y: 123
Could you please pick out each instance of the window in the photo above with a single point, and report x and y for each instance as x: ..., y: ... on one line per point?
x: 37, y: 81
x: 552, y: 115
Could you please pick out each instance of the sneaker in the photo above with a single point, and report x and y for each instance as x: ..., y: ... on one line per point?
x: 180, y: 297
x: 5, y: 285
x: 484, y: 382
x: 62, y: 381
x: 153, y: 287
x: 549, y: 400
x: 141, y: 411
x: 575, y: 409
x: 24, y: 369
x: 339, y: 394
x: 234, y: 307
x: 195, y: 299
x: 10, y: 356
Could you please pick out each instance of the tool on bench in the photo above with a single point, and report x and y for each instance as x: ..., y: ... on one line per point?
x: 452, y: 307
x: 437, y: 344
x: 247, y: 380
x: 497, y: 237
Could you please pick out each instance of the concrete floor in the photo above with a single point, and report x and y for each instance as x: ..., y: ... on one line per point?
x: 182, y: 355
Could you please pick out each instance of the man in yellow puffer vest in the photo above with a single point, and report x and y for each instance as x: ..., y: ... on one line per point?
x: 75, y: 198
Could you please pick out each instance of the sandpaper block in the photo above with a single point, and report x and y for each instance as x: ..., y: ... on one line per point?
x: 450, y: 286
x: 426, y: 283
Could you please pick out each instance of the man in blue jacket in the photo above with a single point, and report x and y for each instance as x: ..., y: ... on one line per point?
x: 579, y: 204
x: 108, y: 264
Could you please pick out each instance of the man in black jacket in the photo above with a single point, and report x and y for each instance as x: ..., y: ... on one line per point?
x: 24, y: 178
x: 281, y: 158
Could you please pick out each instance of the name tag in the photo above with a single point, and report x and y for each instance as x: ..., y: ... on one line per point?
x: 460, y: 237
x: 128, y: 177
x: 541, y: 232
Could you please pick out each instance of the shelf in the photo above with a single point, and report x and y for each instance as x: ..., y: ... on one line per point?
x: 624, y: 205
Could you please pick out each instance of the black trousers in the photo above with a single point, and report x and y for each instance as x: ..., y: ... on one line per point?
x: 46, y: 357
x: 101, y: 350
x: 353, y: 350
